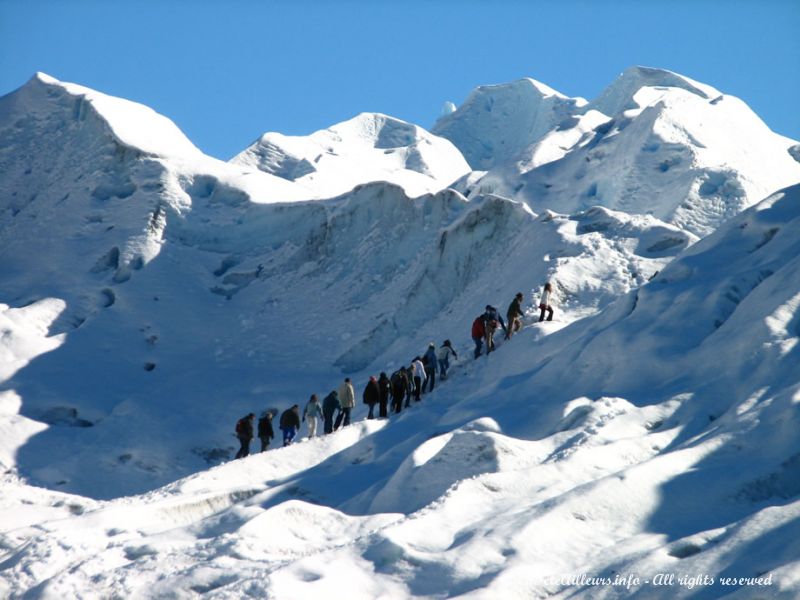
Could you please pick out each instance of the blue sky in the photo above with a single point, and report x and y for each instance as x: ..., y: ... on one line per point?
x: 226, y: 72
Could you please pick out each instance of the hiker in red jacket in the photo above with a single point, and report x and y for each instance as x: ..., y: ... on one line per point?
x: 478, y: 333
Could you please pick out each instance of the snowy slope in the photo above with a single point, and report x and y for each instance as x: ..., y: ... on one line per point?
x: 511, y: 480
x: 176, y: 292
x: 653, y: 142
x: 369, y: 147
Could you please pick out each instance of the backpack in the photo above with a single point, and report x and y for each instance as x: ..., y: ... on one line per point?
x: 397, y: 379
x: 240, y: 427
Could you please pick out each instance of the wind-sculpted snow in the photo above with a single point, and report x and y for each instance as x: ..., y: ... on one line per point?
x: 369, y: 147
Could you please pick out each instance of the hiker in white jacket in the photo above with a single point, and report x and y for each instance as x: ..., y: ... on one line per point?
x: 544, y: 304
x: 443, y: 356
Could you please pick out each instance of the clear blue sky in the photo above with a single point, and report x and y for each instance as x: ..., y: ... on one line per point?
x: 226, y: 72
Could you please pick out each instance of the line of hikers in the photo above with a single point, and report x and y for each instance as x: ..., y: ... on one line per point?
x: 403, y: 385
x: 485, y: 325
x: 386, y: 392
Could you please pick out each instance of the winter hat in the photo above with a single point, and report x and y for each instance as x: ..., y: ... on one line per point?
x: 519, y: 295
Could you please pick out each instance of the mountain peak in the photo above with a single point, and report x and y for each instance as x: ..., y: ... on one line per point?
x: 619, y: 95
x: 368, y: 147
x: 515, y: 114
x: 131, y: 124
x: 525, y: 85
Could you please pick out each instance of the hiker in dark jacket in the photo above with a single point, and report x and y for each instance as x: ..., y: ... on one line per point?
x: 329, y: 407
x: 410, y: 386
x: 385, y: 390
x: 372, y: 395
x: 399, y: 384
x: 514, y: 315
x: 265, y: 431
x: 290, y: 423
x: 244, y: 431
x: 429, y: 360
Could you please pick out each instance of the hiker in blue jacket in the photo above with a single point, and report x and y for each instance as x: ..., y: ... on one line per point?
x: 492, y: 318
x: 310, y: 414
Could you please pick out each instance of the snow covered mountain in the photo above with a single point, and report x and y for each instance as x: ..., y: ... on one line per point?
x: 152, y: 295
x: 653, y: 142
x: 369, y: 147
x: 168, y: 278
x: 498, y: 122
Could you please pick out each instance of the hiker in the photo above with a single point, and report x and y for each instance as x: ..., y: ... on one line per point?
x: 244, y: 431
x: 478, y: 333
x: 347, y: 400
x: 371, y: 396
x: 399, y: 385
x: 443, y: 356
x: 290, y: 423
x: 514, y: 315
x: 410, y: 387
x: 419, y: 376
x: 265, y: 431
x: 310, y: 414
x: 491, y: 319
x: 329, y: 406
x: 385, y: 391
x: 544, y: 303
x: 429, y: 360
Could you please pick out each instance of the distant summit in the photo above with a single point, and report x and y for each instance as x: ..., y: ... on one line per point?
x: 497, y: 122
x: 368, y: 147
x: 131, y: 124
x: 653, y: 142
